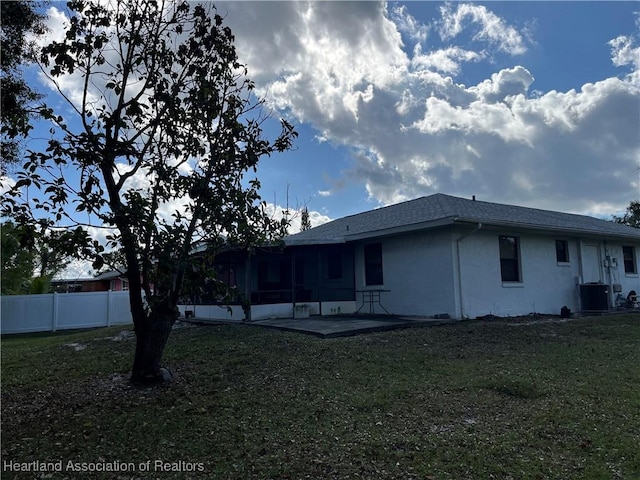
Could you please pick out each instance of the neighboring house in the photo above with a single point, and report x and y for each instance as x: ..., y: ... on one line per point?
x: 108, y: 281
x: 438, y: 255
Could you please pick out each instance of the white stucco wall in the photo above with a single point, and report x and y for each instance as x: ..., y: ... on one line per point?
x: 423, y: 277
x: 338, y: 308
x: 417, y: 271
x: 546, y: 285
x: 422, y: 273
x: 258, y: 312
x: 615, y: 272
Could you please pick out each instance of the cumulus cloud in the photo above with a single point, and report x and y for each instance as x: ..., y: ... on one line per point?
x: 505, y: 83
x: 294, y: 216
x: 447, y: 60
x: 413, y: 129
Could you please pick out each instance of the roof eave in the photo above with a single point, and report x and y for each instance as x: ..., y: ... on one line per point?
x: 413, y: 227
x: 547, y: 228
x: 311, y: 241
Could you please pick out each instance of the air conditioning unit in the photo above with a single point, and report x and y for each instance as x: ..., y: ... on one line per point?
x: 594, y: 297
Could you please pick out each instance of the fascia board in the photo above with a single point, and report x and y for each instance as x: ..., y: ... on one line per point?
x: 324, y: 241
x: 552, y: 229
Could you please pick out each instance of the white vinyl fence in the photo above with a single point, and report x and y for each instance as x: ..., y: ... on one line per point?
x: 63, y: 311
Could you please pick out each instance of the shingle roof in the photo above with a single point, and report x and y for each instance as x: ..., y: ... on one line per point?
x: 440, y: 209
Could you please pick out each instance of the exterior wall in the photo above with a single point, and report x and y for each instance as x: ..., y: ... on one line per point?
x: 213, y: 312
x: 546, y: 285
x: 614, y: 271
x: 417, y: 271
x: 338, y: 308
x: 454, y: 271
x: 262, y: 312
x: 96, y: 286
x: 89, y: 285
x: 220, y: 312
x: 116, y: 285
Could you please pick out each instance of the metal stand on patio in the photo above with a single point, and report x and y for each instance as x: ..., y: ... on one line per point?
x: 372, y: 297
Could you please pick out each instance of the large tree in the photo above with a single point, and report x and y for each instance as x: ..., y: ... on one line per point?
x: 20, y: 21
x: 166, y: 131
x: 632, y: 215
x: 31, y: 257
x: 305, y: 222
x: 17, y: 259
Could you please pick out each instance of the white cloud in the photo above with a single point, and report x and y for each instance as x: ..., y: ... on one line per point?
x: 56, y: 22
x: 624, y: 52
x: 294, y: 216
x: 508, y: 82
x: 491, y: 28
x: 408, y: 24
x: 414, y: 130
x: 446, y: 60
x: 6, y: 184
x: 76, y: 269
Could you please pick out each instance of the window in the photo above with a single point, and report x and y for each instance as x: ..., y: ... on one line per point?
x: 373, y: 264
x: 629, y: 256
x: 562, y: 251
x: 510, y: 259
x: 125, y: 285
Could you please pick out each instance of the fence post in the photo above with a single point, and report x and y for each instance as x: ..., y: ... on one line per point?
x: 55, y: 312
x: 109, y: 308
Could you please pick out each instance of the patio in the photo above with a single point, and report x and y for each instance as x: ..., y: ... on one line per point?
x: 337, y: 326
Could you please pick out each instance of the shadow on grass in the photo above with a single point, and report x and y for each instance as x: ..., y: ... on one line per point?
x: 513, y: 387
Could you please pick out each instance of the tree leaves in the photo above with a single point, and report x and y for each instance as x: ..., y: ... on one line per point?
x: 631, y: 216
x: 162, y: 155
x: 19, y: 21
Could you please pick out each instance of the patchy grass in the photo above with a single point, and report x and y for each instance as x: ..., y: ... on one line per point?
x: 472, y: 400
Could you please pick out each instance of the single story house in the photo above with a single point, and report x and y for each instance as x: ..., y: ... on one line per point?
x: 112, y: 280
x: 436, y: 255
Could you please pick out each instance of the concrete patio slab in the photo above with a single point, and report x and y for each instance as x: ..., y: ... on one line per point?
x: 333, y: 327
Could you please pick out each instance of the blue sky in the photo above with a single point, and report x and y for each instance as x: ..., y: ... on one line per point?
x: 575, y: 142
x: 526, y: 103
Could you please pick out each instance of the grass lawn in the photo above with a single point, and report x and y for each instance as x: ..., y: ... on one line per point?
x: 470, y: 400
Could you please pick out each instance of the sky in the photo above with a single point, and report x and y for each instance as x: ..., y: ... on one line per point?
x: 525, y: 103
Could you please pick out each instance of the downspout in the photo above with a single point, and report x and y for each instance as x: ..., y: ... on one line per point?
x: 609, y: 275
x: 458, y: 241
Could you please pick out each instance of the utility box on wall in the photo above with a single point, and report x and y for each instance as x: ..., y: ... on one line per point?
x: 594, y: 297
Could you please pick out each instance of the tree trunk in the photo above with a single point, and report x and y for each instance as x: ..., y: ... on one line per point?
x: 152, y: 333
